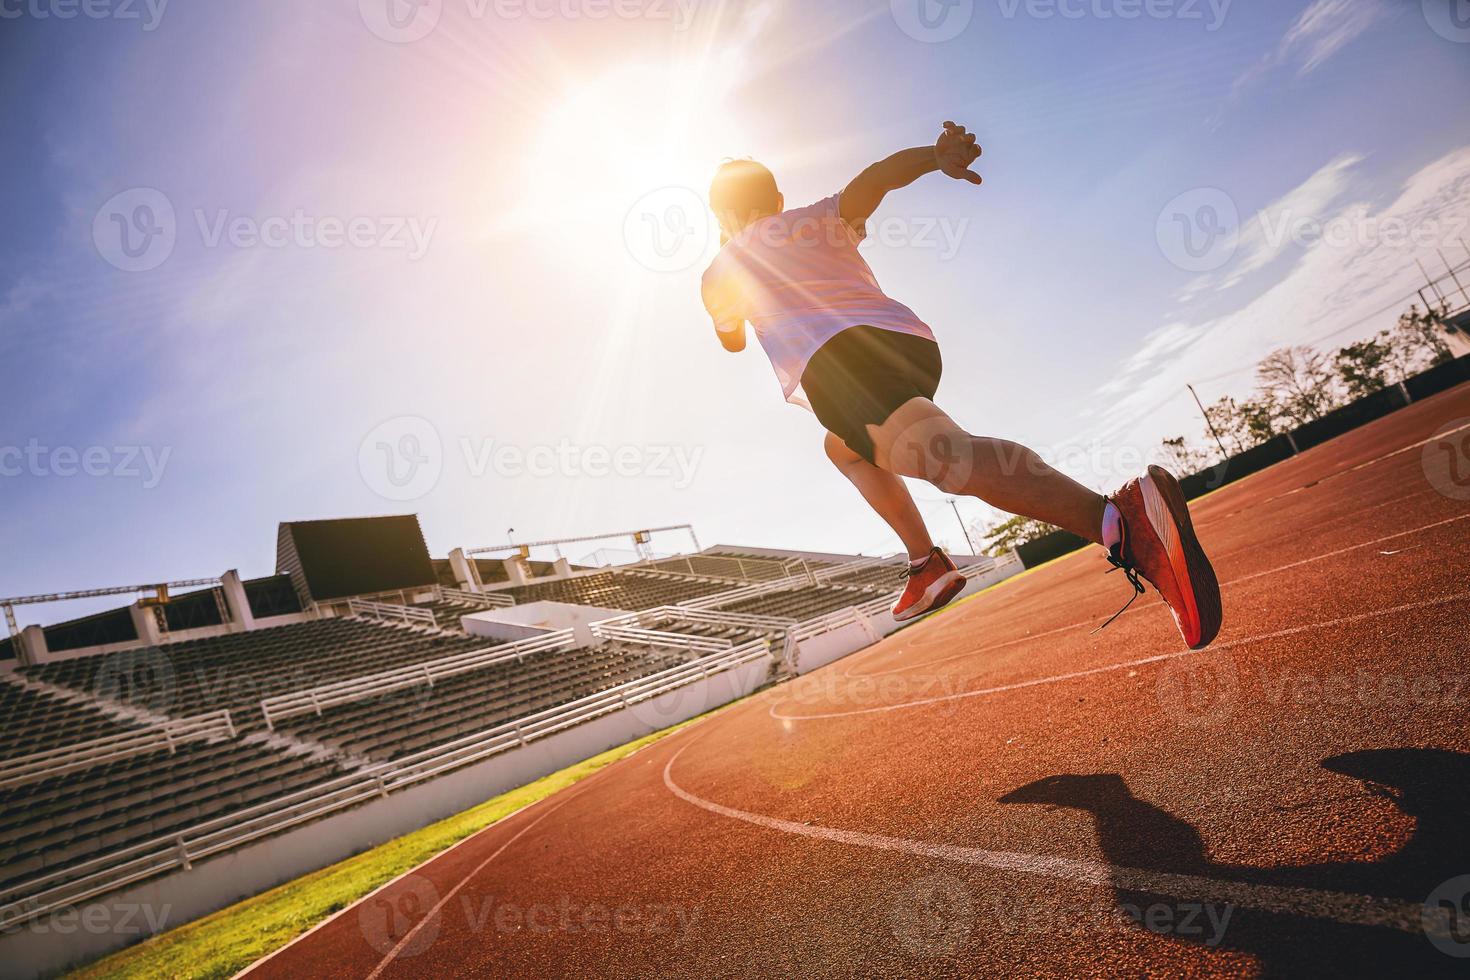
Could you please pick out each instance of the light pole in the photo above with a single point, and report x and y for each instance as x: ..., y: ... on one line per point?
x: 957, y: 517
x: 1208, y: 421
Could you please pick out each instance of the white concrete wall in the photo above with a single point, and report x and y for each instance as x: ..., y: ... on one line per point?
x: 535, y: 618
x: 131, y: 915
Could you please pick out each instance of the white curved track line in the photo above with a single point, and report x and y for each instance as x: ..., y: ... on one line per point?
x: 1154, y: 606
x: 1342, y: 907
x: 1056, y: 678
x: 392, y: 954
x: 1361, y: 466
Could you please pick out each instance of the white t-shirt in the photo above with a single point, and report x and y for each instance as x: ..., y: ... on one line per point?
x: 798, y: 278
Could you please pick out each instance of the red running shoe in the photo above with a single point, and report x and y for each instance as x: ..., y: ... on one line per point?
x: 1159, y: 544
x: 932, y: 584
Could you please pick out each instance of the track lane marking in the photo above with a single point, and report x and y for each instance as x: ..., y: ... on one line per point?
x: 392, y: 954
x: 1342, y: 907
x: 1337, y: 473
x: 1153, y: 607
x: 1107, y: 668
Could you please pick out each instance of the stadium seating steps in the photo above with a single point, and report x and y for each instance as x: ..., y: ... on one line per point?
x: 58, y: 822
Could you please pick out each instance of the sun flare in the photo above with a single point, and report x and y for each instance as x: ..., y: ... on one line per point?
x: 610, y: 139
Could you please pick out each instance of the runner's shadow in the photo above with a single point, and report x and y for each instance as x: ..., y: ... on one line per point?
x: 1142, y: 841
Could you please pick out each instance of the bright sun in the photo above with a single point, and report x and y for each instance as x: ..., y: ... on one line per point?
x: 610, y: 139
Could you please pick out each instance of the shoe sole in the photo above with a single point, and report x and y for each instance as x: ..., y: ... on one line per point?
x: 938, y: 595
x: 1203, y: 587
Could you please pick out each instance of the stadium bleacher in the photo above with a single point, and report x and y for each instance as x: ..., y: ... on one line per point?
x: 72, y: 818
x: 93, y: 776
x: 235, y: 671
x: 806, y: 602
x: 37, y: 720
x: 629, y: 590
x: 412, y: 719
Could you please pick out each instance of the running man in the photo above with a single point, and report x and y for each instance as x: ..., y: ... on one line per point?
x: 869, y: 369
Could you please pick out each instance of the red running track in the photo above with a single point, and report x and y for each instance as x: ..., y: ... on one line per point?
x: 999, y: 790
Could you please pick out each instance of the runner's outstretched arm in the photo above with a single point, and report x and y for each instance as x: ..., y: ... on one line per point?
x: 952, y: 154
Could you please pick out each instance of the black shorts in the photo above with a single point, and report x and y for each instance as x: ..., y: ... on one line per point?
x: 859, y: 377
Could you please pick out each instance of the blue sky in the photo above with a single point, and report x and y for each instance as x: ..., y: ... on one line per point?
x: 372, y: 249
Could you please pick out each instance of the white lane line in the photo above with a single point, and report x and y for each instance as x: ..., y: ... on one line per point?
x: 1342, y: 907
x: 1342, y: 517
x: 1343, y: 551
x: 393, y: 953
x: 1361, y: 466
x: 1073, y: 675
x: 1154, y: 606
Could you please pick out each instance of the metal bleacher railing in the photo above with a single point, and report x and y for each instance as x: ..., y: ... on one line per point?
x: 313, y: 699
x: 494, y: 599
x: 76, y: 883
x: 390, y: 612
x: 798, y: 580
x: 112, y: 748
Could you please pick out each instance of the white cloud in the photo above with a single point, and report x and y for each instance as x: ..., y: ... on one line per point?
x: 1273, y: 229
x: 1365, y: 267
x: 1326, y: 27
x: 1323, y: 29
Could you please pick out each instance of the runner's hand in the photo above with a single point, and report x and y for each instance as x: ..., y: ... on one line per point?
x: 954, y: 151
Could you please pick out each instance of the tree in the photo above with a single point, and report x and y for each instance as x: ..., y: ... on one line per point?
x: 1298, y: 382
x: 1012, y: 533
x: 1364, y: 367
x: 1417, y: 342
x: 1182, y: 458
x: 1261, y: 418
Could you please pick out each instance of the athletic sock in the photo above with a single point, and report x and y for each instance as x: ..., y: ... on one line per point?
x: 1112, y: 527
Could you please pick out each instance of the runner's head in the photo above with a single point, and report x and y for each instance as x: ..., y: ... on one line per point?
x: 743, y: 191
